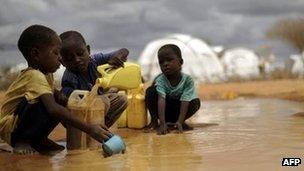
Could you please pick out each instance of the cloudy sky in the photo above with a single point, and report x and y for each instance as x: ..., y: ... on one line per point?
x: 111, y: 24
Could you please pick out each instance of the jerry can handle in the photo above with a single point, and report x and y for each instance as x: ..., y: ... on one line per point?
x: 92, y: 94
x: 76, y: 95
x: 102, y: 69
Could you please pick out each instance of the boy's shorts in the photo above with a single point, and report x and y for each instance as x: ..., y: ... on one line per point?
x: 33, y: 124
x: 172, y: 110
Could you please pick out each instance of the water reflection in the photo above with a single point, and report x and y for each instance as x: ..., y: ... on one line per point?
x: 243, y: 134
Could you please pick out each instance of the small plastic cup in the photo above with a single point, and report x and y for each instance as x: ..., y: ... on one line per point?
x: 114, y: 145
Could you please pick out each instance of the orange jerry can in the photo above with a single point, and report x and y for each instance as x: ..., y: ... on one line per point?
x: 90, y: 108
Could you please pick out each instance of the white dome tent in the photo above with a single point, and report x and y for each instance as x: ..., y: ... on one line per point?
x: 295, y: 65
x: 199, y: 59
x: 240, y: 63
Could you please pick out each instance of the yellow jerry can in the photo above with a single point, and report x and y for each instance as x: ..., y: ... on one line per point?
x: 90, y: 108
x: 136, y: 110
x: 123, y: 78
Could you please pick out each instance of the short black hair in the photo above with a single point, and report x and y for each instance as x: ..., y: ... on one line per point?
x: 34, y: 36
x: 173, y: 47
x: 71, y: 35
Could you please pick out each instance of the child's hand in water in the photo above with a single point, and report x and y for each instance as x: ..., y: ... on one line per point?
x: 162, y: 129
x: 100, y: 132
x: 179, y: 127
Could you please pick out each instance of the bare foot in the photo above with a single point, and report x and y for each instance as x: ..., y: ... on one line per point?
x: 47, y: 146
x: 151, y: 127
x: 300, y: 114
x: 23, y: 148
x: 187, y: 127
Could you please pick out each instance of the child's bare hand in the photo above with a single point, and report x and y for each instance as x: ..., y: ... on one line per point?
x: 116, y: 61
x: 163, y: 129
x: 100, y: 133
x: 119, y: 58
x: 179, y: 127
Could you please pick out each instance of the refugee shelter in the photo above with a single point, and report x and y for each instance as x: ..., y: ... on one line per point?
x: 240, y: 63
x: 200, y: 61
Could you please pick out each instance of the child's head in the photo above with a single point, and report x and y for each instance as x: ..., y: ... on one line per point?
x: 170, y: 59
x: 75, y: 53
x: 40, y: 46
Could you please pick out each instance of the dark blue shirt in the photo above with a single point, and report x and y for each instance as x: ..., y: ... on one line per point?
x: 75, y: 81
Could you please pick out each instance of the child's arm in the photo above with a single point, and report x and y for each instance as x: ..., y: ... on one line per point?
x: 60, y: 98
x: 182, y: 114
x: 115, y: 58
x: 163, y: 128
x: 188, y: 94
x: 63, y: 115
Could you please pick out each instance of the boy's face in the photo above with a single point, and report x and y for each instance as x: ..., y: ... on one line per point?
x: 48, y: 57
x: 75, y: 55
x: 169, y: 62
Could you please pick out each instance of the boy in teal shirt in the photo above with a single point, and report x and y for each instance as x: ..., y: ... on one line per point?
x: 172, y: 97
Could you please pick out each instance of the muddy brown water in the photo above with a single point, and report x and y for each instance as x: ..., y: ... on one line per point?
x: 242, y: 134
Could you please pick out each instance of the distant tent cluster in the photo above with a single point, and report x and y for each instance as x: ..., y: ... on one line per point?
x: 241, y: 63
x: 295, y: 65
x: 207, y: 64
x: 204, y: 63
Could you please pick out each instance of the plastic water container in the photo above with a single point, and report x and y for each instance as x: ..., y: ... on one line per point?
x: 123, y: 78
x: 136, y: 110
x: 90, y: 108
x: 114, y: 145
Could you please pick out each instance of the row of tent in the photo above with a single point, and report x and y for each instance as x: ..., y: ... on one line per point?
x: 202, y: 62
x: 205, y: 63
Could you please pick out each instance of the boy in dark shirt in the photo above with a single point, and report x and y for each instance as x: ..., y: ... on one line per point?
x: 81, y: 71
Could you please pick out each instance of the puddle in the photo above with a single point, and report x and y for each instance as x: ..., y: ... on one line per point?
x: 242, y: 134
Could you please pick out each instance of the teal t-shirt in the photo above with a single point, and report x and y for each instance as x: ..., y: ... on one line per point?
x: 184, y: 91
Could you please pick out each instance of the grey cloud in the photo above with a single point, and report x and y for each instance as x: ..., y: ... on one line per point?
x: 133, y: 23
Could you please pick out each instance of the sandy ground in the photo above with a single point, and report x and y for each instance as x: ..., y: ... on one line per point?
x: 290, y: 89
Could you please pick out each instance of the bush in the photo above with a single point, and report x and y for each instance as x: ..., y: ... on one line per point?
x: 6, y: 79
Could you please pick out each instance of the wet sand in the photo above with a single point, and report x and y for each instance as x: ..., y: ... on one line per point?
x: 240, y: 134
x: 289, y: 89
